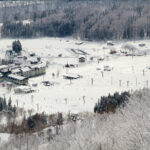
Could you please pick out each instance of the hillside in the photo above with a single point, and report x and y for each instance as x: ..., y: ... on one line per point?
x: 126, y: 129
x: 90, y: 20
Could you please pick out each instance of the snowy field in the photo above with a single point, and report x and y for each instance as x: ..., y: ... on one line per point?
x: 127, y: 73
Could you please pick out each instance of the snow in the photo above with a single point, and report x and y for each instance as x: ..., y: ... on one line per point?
x: 23, y: 87
x: 25, y: 69
x: 41, y: 65
x: 15, y: 71
x: 4, y: 137
x: 26, y: 22
x: 3, y: 67
x: 16, y: 77
x: 127, y: 73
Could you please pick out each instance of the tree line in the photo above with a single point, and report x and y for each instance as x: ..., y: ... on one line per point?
x: 111, y: 102
x: 7, y: 106
x: 91, y: 21
x: 127, y: 129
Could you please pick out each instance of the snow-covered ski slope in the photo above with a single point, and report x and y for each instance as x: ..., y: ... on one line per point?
x: 127, y: 73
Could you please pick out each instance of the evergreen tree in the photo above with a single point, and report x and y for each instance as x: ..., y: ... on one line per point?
x: 4, y: 103
x: 9, y: 103
x: 111, y: 102
x: 16, y: 46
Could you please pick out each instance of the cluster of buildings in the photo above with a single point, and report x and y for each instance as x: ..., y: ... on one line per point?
x: 22, y: 68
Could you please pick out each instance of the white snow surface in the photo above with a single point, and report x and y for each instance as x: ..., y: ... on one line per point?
x: 4, y: 138
x: 79, y: 95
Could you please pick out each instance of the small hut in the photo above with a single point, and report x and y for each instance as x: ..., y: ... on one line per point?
x: 82, y: 59
x: 110, y: 43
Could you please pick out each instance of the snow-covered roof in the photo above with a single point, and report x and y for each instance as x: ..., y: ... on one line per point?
x: 42, y: 65
x: 25, y: 69
x: 16, y: 77
x: 23, y: 87
x: 3, y: 66
x: 109, y: 42
x: 13, y: 66
x: 71, y: 75
x: 33, y: 59
x: 17, y: 70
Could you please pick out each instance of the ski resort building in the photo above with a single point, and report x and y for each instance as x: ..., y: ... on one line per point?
x: 17, y: 79
x: 20, y: 75
x: 36, y: 70
x: 30, y: 71
x: 110, y: 43
x: 33, y: 71
x: 23, y: 66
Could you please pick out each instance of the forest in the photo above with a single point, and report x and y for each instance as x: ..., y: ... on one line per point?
x: 88, y: 20
x: 111, y: 102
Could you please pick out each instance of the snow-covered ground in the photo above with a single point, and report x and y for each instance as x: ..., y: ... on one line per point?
x: 4, y: 138
x: 128, y: 73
